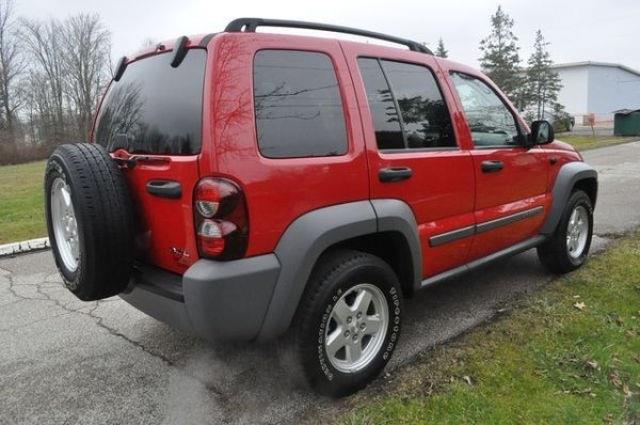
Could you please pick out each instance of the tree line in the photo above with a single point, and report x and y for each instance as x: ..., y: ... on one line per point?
x: 533, y: 88
x: 52, y: 73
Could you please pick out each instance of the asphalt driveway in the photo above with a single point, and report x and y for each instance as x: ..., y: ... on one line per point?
x: 66, y: 361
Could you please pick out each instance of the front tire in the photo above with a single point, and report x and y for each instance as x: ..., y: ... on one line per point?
x: 349, y: 322
x: 568, y: 247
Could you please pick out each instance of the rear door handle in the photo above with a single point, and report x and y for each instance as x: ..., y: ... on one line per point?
x: 491, y: 166
x: 165, y: 188
x: 394, y: 174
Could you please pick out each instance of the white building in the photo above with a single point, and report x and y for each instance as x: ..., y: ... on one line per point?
x: 597, y: 88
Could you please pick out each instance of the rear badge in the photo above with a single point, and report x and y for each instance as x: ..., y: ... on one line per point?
x: 179, y: 254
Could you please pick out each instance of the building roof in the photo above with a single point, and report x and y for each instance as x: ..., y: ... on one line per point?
x: 593, y: 63
x: 626, y: 111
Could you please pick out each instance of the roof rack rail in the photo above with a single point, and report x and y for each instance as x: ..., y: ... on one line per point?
x: 250, y: 25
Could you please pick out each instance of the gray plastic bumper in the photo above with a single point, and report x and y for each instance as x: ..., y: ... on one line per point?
x: 215, y: 300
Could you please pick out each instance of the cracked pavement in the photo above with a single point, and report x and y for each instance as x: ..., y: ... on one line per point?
x: 67, y: 361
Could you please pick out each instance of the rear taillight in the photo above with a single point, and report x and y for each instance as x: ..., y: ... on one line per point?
x: 222, y: 225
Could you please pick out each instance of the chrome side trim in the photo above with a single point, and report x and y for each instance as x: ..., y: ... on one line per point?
x: 451, y: 236
x: 512, y: 250
x: 504, y: 221
x: 486, y: 226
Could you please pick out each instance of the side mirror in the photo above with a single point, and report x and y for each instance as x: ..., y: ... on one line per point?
x: 541, y: 133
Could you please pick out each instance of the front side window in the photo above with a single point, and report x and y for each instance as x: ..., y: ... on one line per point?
x: 155, y: 108
x: 406, y: 105
x: 298, y: 106
x: 490, y: 120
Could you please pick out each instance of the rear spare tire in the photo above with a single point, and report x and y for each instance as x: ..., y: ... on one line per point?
x: 89, y: 220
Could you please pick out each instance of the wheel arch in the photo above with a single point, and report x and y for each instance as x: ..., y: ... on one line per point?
x: 572, y: 176
x: 367, y: 225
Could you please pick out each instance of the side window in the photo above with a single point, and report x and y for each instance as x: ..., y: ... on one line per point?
x: 298, y: 105
x: 423, y: 120
x: 490, y: 120
x: 382, y: 105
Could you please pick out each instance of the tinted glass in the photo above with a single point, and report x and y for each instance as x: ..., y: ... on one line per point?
x: 155, y: 108
x: 490, y: 121
x: 298, y: 106
x: 383, y: 110
x: 425, y: 117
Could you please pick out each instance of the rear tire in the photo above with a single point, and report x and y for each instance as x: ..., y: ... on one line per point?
x: 348, y: 323
x: 89, y: 220
x: 568, y: 247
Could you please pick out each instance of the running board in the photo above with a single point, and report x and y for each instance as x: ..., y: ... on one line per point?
x: 512, y: 250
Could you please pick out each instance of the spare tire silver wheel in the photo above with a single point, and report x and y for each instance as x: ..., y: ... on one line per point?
x: 89, y: 220
x: 65, y: 226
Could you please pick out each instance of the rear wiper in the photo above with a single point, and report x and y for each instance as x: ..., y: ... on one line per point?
x: 131, y: 161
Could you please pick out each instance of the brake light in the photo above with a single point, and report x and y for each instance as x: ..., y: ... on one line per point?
x: 222, y: 227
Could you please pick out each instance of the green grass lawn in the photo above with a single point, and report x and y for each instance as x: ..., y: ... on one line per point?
x: 568, y: 354
x: 21, y: 202
x: 586, y: 142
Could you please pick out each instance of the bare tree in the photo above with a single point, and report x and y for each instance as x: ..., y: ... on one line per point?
x: 86, y: 47
x: 43, y: 41
x: 11, y: 66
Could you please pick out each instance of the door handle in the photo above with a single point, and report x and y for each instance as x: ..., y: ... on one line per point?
x: 491, y: 166
x: 394, y: 174
x: 165, y: 188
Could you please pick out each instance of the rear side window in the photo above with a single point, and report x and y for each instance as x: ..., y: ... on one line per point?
x: 154, y: 108
x: 406, y: 97
x: 382, y: 105
x: 298, y: 105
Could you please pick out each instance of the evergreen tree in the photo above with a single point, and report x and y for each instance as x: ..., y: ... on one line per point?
x: 542, y: 82
x: 500, y: 59
x: 441, y: 51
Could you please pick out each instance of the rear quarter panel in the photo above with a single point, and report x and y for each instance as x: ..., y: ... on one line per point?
x: 277, y: 190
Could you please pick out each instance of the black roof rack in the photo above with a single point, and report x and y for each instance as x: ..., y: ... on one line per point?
x: 250, y: 25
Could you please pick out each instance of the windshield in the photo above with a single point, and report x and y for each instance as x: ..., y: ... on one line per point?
x: 155, y: 108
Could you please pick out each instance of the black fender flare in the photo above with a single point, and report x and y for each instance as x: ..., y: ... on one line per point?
x: 569, y: 174
x: 311, y: 234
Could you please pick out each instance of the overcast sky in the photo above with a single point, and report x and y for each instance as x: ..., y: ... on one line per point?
x: 596, y: 30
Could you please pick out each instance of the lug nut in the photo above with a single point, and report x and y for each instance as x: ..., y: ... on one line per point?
x: 359, y: 315
x: 355, y: 337
x: 347, y: 333
x: 362, y: 326
x: 349, y: 319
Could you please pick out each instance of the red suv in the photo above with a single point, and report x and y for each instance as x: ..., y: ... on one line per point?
x: 241, y: 184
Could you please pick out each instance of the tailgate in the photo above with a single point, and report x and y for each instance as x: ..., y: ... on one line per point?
x: 151, y: 118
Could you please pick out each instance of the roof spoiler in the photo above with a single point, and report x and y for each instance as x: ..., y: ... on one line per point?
x: 120, y: 67
x: 179, y: 51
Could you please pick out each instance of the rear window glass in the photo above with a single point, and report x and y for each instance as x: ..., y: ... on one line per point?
x: 154, y: 108
x: 298, y: 106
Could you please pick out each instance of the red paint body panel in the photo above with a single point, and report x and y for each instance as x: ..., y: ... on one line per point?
x: 441, y: 190
x: 165, y: 229
x: 522, y: 184
x: 447, y: 191
x: 277, y: 190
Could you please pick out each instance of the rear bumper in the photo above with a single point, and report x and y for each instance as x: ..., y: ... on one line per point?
x: 215, y: 300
